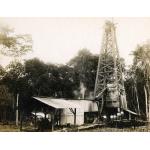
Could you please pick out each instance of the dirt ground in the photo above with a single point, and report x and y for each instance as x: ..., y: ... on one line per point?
x: 9, y: 128
x: 109, y: 129
x: 13, y: 128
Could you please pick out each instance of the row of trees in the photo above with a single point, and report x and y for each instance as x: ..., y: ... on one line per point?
x: 52, y: 80
x: 15, y: 46
x: 138, y: 81
x: 36, y: 78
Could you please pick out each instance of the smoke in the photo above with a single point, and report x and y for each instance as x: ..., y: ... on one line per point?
x: 82, y: 90
x: 80, y: 93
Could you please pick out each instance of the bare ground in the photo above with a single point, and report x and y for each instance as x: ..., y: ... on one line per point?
x: 13, y: 128
x: 109, y: 129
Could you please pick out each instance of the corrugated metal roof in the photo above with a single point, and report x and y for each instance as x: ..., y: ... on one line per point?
x: 58, y: 103
x: 86, y: 105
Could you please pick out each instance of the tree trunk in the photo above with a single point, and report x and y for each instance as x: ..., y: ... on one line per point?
x: 137, y: 99
x: 146, y: 104
x: 21, y: 120
x: 148, y: 99
x: 17, y: 110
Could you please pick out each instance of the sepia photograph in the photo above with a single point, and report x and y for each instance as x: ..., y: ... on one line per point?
x: 74, y: 74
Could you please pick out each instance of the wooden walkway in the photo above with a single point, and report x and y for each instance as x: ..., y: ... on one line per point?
x: 90, y: 126
x: 80, y: 128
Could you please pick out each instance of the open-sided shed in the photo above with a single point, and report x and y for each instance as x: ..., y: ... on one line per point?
x: 71, y: 111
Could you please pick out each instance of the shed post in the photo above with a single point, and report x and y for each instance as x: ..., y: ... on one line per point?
x: 53, y: 119
x: 74, y: 114
x: 75, y: 117
x: 52, y: 116
x: 60, y: 117
x: 35, y: 119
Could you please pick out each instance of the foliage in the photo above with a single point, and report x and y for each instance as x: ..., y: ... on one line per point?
x: 140, y: 74
x: 2, y: 72
x: 14, y: 72
x: 6, y: 103
x: 49, y: 79
x: 12, y: 79
x: 85, y: 67
x: 5, y: 96
x: 14, y: 45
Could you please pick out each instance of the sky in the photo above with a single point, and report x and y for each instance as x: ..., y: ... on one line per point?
x: 57, y: 40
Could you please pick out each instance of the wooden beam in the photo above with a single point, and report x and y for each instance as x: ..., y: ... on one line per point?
x: 72, y: 110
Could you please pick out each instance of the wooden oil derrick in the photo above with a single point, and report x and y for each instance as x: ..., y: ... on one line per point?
x: 109, y: 86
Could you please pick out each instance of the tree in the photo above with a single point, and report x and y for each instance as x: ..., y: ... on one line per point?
x: 142, y: 74
x: 49, y: 79
x: 133, y: 93
x: 66, y: 83
x: 14, y: 72
x: 2, y: 72
x: 6, y: 104
x: 34, y: 68
x: 16, y: 82
x: 10, y: 84
x: 85, y: 67
x: 14, y: 45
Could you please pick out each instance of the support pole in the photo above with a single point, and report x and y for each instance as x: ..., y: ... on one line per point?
x: 53, y: 120
x: 35, y: 119
x: 75, y: 117
x: 17, y: 110
x: 60, y: 117
x: 74, y: 114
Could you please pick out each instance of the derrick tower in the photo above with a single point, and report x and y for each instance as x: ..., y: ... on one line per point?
x: 109, y: 89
